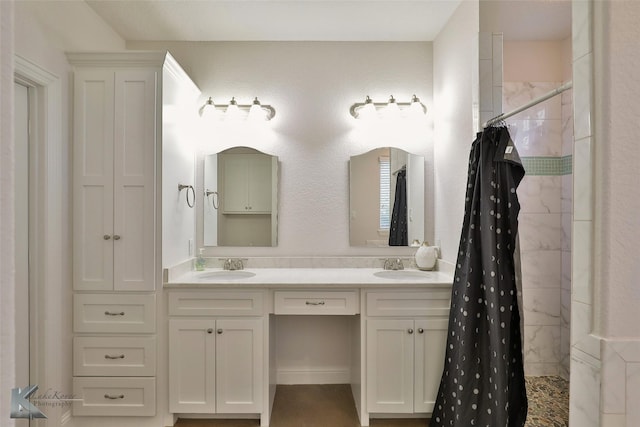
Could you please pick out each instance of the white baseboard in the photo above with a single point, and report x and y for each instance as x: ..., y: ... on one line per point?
x: 315, y: 376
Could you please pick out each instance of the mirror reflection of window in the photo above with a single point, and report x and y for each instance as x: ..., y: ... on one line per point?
x: 371, y: 206
x: 385, y: 193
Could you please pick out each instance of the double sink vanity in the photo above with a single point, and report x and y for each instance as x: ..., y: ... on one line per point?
x: 223, y: 339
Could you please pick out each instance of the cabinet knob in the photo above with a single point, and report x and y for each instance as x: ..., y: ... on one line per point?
x: 116, y: 237
x: 420, y: 330
x: 210, y: 330
x: 410, y: 331
x: 219, y: 331
x: 106, y: 237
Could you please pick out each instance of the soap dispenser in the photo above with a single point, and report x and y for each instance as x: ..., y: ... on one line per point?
x: 200, y: 261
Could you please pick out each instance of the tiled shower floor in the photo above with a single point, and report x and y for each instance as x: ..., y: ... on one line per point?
x: 333, y: 406
x: 548, y: 402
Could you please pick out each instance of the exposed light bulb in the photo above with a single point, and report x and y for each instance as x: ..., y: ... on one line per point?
x: 208, y: 110
x: 256, y: 113
x: 392, y: 111
x: 416, y: 109
x: 233, y: 111
x: 368, y: 110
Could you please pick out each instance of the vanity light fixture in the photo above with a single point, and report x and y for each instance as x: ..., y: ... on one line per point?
x: 235, y: 111
x: 392, y: 108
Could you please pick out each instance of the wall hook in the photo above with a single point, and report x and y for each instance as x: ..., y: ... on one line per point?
x: 191, y: 190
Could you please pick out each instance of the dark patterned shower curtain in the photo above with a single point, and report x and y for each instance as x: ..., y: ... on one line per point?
x: 398, y: 230
x: 483, y: 379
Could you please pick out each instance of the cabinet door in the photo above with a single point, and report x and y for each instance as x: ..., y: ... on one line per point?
x: 93, y: 180
x: 247, y: 183
x: 134, y: 180
x: 430, y: 346
x: 390, y: 347
x: 192, y: 376
x: 114, y: 176
x: 239, y: 365
x: 236, y: 181
x: 259, y: 183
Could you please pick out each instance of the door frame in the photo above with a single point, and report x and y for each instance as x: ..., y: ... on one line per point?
x: 46, y: 232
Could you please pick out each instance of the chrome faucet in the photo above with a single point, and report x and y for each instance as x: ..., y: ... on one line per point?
x: 233, y: 264
x: 393, y: 264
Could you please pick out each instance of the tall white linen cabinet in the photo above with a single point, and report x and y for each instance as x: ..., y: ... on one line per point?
x: 117, y: 156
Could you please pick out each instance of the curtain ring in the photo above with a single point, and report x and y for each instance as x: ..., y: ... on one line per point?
x: 193, y: 194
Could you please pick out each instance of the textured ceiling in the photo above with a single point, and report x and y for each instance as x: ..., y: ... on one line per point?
x: 325, y: 20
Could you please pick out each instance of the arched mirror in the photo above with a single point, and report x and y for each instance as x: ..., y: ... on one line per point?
x: 386, y: 198
x: 241, y: 198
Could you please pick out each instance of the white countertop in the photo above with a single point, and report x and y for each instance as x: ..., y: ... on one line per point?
x: 305, y: 277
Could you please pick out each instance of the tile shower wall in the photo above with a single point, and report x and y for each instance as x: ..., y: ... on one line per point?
x: 545, y: 217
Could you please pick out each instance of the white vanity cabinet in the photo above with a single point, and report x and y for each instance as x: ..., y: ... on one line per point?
x: 406, y: 336
x: 216, y: 352
x: 247, y: 183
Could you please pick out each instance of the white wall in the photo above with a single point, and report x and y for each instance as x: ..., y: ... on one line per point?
x: 312, y: 85
x: 455, y: 62
x: 179, y: 106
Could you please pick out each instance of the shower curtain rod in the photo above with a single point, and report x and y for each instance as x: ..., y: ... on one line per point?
x: 503, y: 116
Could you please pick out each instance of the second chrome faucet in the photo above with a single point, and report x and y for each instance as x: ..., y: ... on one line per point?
x: 233, y: 263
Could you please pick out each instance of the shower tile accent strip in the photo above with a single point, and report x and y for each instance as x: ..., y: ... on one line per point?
x: 546, y: 166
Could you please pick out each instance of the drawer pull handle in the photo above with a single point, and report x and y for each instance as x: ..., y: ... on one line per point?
x: 410, y: 331
x: 420, y: 331
x: 219, y: 331
x: 210, y: 331
x: 108, y: 356
x: 116, y: 237
x: 314, y: 302
x: 114, y: 313
x: 109, y: 396
x: 106, y: 237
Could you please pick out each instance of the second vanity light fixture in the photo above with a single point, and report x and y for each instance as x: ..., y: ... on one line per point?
x: 235, y: 111
x: 389, y: 109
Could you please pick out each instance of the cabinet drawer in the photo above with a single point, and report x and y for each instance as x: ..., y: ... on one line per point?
x: 216, y: 303
x: 433, y: 302
x: 114, y: 356
x: 316, y: 302
x: 114, y: 313
x: 128, y: 396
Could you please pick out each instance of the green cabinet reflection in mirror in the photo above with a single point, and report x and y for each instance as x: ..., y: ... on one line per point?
x: 241, y: 198
x: 373, y: 190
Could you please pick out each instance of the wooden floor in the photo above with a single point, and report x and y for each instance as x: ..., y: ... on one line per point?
x: 310, y: 406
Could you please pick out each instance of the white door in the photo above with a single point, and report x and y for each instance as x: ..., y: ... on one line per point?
x: 430, y: 346
x: 21, y: 126
x: 134, y: 178
x: 192, y: 376
x: 239, y: 365
x: 260, y: 183
x: 93, y: 180
x: 390, y: 347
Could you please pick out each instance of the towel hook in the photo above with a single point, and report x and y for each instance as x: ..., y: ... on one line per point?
x: 214, y: 200
x: 193, y: 193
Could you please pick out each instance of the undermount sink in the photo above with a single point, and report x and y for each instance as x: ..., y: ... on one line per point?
x: 226, y: 275
x: 401, y: 274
